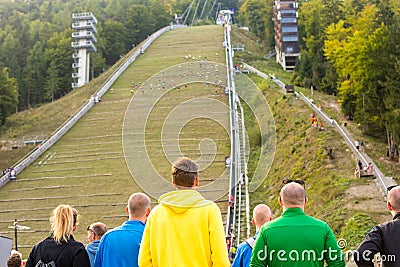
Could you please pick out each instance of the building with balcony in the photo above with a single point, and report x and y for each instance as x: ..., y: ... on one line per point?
x: 84, y: 40
x: 287, y: 45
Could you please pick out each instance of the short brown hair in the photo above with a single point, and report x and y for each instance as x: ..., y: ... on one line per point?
x: 14, y: 260
x: 184, y: 172
x: 99, y: 228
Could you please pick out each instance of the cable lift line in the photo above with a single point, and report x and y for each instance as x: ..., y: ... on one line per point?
x: 187, y: 12
x: 195, y: 12
x: 202, y: 11
x: 212, y: 7
x: 218, y: 10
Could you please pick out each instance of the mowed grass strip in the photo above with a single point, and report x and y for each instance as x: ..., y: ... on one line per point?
x: 86, y: 168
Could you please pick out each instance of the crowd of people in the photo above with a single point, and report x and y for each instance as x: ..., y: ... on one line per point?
x: 185, y: 229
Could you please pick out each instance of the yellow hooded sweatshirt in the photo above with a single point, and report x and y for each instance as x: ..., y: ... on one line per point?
x: 184, y: 230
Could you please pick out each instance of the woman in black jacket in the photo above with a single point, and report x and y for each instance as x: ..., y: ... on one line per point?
x: 60, y: 249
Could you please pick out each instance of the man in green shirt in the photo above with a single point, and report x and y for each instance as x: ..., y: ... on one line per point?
x: 295, y: 239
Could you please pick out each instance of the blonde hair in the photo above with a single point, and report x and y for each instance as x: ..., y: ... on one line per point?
x: 62, y: 221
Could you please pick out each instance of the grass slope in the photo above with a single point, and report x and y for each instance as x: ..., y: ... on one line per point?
x: 87, y: 168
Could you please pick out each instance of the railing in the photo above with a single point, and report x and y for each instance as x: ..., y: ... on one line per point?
x: 84, y: 26
x: 34, y: 154
x: 238, y: 194
x: 84, y: 16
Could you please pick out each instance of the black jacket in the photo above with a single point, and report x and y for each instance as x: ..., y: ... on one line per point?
x: 71, y: 254
x: 383, y: 238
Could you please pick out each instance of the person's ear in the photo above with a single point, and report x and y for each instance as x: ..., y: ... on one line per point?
x: 305, y: 201
x: 74, y: 228
x: 148, y: 211
x: 253, y: 222
x: 196, y: 181
x: 389, y: 206
x: 173, y: 182
x: 127, y: 210
x: 280, y: 201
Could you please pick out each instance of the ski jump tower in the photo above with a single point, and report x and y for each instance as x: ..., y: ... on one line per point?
x: 287, y: 45
x: 83, y: 44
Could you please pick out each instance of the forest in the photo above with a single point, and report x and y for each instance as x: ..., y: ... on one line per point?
x: 349, y: 48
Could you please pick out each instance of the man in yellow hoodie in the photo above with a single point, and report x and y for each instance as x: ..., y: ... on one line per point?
x: 185, y: 229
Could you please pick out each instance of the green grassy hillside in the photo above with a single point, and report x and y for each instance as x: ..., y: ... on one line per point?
x: 87, y: 167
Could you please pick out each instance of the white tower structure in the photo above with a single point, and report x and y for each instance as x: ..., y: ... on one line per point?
x: 84, y: 39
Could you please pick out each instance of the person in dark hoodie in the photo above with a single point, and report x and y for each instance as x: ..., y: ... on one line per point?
x: 60, y: 249
x: 95, y: 232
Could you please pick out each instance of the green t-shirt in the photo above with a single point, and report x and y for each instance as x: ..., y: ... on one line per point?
x: 296, y: 239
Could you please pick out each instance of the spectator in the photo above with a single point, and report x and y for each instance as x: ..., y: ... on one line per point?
x: 330, y: 152
x: 360, y: 166
x: 95, y: 232
x: 120, y: 246
x: 60, y: 248
x: 362, y: 147
x: 295, y: 239
x: 232, y: 252
x: 383, y: 238
x: 370, y: 168
x: 184, y: 229
x: 261, y: 215
x: 357, y: 144
x: 14, y: 260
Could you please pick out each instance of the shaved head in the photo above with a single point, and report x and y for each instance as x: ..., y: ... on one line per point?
x: 261, y: 215
x: 293, y: 195
x: 394, y: 198
x: 138, y: 204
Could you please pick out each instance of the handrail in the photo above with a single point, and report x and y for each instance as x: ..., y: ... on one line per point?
x: 238, y: 170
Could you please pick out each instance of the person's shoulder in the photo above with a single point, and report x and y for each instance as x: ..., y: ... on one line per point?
x: 210, y: 206
x: 110, y: 234
x: 317, y: 222
x: 76, y: 244
x: 243, y: 246
x: 395, y: 223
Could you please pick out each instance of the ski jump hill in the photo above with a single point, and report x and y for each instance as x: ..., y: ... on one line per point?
x: 167, y: 102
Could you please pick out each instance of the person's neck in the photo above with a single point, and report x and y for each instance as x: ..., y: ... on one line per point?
x: 178, y: 188
x: 142, y: 219
x: 294, y: 206
x: 393, y: 212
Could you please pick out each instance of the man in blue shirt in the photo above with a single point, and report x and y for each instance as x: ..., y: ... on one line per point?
x: 261, y: 215
x: 95, y: 233
x: 120, y: 246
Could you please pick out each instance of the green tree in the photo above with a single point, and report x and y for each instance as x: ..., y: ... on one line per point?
x: 252, y: 13
x: 8, y: 95
x: 114, y: 36
x: 358, y: 53
x: 314, y: 18
x: 391, y: 117
x: 35, y: 75
x: 58, y: 51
